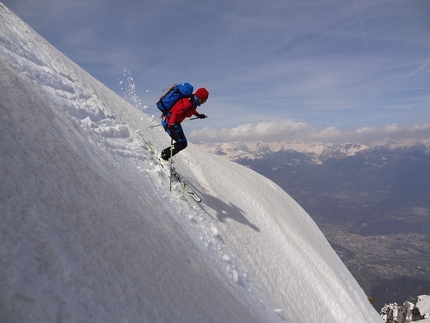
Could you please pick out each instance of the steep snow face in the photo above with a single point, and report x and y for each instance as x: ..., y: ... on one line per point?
x: 91, y: 232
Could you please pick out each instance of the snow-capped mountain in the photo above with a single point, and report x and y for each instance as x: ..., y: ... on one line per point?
x: 422, y: 145
x: 317, y: 152
x: 90, y: 232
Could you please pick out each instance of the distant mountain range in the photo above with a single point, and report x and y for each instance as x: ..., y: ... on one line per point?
x: 316, y: 152
x: 372, y: 202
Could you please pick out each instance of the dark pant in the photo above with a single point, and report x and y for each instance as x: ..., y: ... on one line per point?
x: 178, y: 136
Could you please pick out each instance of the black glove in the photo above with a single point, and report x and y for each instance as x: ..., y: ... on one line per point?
x: 201, y: 116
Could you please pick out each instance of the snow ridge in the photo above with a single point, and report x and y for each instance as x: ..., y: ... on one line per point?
x: 90, y: 231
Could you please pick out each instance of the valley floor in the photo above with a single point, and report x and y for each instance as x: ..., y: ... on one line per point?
x: 391, y: 268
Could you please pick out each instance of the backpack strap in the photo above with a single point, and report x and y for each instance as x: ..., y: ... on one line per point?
x: 165, y: 93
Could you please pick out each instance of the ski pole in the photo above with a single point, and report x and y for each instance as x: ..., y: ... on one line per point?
x: 159, y: 125
x: 171, y: 163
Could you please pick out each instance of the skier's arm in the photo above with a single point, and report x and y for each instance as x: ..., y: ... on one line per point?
x: 175, y: 112
x: 172, y: 119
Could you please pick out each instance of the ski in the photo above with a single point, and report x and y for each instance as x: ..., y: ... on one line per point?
x: 187, y: 188
x: 174, y: 176
x: 147, y: 143
x: 171, y: 172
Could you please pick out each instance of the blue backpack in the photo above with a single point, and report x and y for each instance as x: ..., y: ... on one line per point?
x: 173, y: 95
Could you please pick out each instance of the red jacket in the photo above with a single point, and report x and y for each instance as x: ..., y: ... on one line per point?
x: 182, y: 109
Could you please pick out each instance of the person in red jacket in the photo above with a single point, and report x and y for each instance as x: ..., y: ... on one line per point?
x: 182, y: 109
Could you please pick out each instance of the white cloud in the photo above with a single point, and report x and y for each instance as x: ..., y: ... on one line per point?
x: 287, y: 130
x: 270, y: 130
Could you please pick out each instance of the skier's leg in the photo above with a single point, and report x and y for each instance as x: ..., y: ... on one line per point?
x: 180, y: 142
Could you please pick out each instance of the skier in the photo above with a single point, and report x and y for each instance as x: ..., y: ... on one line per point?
x: 171, y: 123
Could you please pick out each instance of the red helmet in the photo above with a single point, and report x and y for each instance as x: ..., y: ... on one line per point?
x: 202, y: 93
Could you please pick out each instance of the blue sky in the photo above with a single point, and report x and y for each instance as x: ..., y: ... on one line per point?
x: 330, y: 71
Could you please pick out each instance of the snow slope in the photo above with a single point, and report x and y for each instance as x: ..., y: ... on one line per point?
x: 89, y: 231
